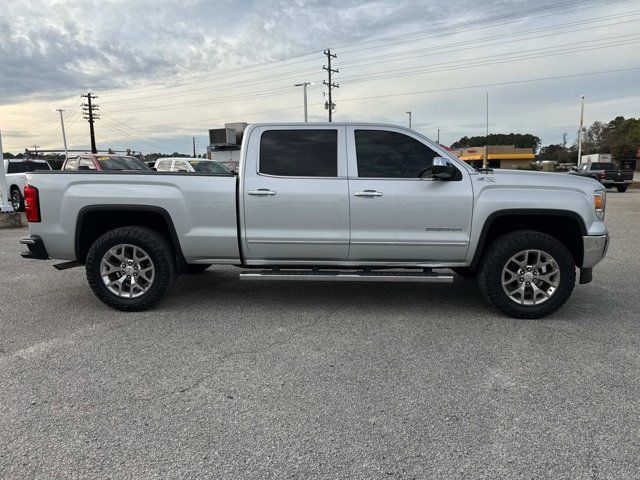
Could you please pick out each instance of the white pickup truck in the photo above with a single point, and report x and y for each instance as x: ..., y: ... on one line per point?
x: 16, y: 175
x: 334, y: 201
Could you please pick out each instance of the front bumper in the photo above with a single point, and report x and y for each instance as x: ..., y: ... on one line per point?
x: 594, y: 248
x: 616, y: 182
x: 36, y: 248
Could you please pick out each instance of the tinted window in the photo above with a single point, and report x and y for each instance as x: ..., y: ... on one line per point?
x: 72, y: 164
x: 603, y: 166
x: 299, y: 153
x: 385, y: 154
x: 87, y: 162
x: 113, y: 162
x: 208, y: 167
x: 23, y: 167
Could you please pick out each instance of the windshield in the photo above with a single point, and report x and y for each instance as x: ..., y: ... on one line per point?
x: 113, y: 162
x: 204, y: 166
x: 603, y: 166
x: 23, y: 167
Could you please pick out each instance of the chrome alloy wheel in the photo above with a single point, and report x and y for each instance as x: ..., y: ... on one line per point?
x: 127, y: 271
x: 530, y: 277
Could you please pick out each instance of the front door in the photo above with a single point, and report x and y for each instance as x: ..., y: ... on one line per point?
x: 295, y: 199
x: 395, y: 215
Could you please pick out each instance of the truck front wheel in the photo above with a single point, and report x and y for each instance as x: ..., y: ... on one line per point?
x: 527, y: 274
x: 130, y: 268
x: 621, y: 188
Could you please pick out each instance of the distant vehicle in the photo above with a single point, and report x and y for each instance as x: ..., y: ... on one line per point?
x: 326, y: 201
x: 607, y: 174
x: 103, y: 162
x: 596, y: 158
x: 16, y: 173
x: 193, y: 165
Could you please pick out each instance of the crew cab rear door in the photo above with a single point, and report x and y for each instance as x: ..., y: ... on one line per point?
x: 395, y: 215
x: 295, y: 196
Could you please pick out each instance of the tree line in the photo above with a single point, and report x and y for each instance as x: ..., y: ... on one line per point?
x: 620, y: 137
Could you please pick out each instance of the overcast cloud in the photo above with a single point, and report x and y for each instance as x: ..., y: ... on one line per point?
x: 168, y: 70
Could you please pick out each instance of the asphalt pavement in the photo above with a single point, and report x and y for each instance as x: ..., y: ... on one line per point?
x: 230, y: 379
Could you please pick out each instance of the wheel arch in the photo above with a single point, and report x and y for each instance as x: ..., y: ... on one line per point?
x: 95, y: 220
x: 565, y: 225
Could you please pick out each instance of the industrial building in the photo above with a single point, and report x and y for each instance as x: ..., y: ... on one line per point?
x: 224, y: 144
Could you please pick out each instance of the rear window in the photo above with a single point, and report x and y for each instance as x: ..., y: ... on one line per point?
x: 23, y: 167
x: 208, y: 167
x: 121, y: 163
x: 299, y: 153
x: 603, y: 166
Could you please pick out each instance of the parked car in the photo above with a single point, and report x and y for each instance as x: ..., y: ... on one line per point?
x: 340, y: 202
x: 193, y: 165
x: 607, y: 174
x: 103, y: 162
x: 16, y: 174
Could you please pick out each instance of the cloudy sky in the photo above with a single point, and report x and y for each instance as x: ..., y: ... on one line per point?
x: 166, y: 70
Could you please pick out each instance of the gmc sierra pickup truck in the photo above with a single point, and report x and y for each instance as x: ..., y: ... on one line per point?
x: 341, y: 202
x: 607, y: 174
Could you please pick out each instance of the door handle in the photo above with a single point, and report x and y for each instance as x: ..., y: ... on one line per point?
x: 368, y: 193
x: 262, y: 192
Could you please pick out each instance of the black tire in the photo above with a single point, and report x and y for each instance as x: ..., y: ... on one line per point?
x: 158, y: 249
x: 195, y: 268
x: 502, y: 250
x: 17, y: 201
x: 621, y: 188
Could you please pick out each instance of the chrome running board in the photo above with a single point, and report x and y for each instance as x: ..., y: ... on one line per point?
x: 348, y: 276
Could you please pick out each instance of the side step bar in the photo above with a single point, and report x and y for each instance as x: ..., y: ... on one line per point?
x: 347, y: 276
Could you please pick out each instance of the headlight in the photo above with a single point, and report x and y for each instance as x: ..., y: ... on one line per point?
x: 600, y: 202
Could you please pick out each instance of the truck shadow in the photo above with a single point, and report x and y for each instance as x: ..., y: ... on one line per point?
x: 217, y: 288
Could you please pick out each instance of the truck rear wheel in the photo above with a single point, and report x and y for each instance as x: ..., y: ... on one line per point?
x: 621, y: 188
x: 130, y: 268
x: 527, y: 274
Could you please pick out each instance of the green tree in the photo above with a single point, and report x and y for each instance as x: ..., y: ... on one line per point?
x: 520, y: 140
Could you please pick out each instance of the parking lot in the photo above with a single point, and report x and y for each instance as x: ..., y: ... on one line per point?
x: 230, y: 379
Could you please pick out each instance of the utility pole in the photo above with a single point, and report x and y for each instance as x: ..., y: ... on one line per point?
x: 581, y: 127
x: 91, y: 115
x: 64, y: 136
x: 194, y: 146
x: 330, y: 105
x: 304, y: 88
x: 4, y: 188
x: 485, y: 161
x: 409, y: 113
x: 438, y: 136
x: 35, y: 147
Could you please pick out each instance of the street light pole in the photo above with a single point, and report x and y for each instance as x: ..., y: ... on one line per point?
x: 409, y: 113
x: 304, y: 89
x: 581, y: 127
x: 4, y: 203
x: 485, y: 161
x: 64, y: 136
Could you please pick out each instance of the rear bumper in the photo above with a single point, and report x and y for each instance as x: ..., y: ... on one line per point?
x: 594, y: 248
x: 36, y: 248
x: 616, y: 182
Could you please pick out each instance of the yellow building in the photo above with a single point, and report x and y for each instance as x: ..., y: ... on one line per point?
x: 498, y: 156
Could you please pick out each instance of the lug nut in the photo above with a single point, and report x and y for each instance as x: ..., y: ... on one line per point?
x: 528, y: 269
x: 521, y: 279
x: 527, y: 284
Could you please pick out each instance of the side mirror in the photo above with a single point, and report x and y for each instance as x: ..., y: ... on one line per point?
x: 443, y: 169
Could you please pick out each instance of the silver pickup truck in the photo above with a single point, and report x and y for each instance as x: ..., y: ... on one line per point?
x: 340, y: 202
